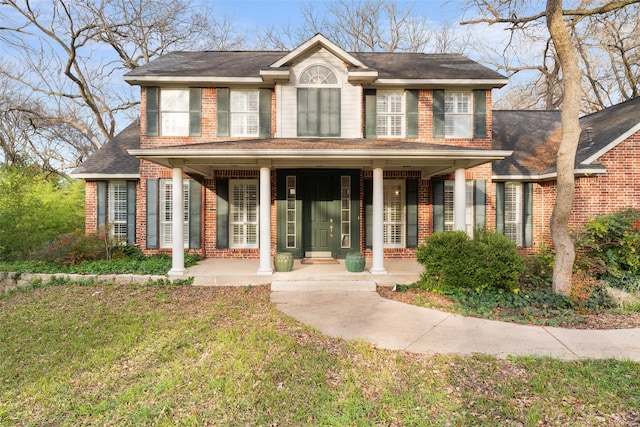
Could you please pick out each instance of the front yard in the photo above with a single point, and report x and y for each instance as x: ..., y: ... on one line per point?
x: 181, y: 355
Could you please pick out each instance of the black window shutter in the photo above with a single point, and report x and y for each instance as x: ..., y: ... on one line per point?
x: 438, y: 113
x: 480, y: 113
x: 195, y: 111
x: 438, y: 205
x: 370, y: 115
x: 265, y: 113
x: 528, y: 214
x: 412, y: 113
x: 153, y: 110
x: 152, y: 214
x: 131, y: 212
x: 500, y: 207
x: 480, y: 203
x: 412, y: 213
x: 195, y: 217
x: 368, y: 213
x: 222, y: 213
x: 101, y: 189
x: 222, y: 101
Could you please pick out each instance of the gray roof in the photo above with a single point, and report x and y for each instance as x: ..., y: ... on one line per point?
x: 112, y: 159
x: 534, y: 137
x: 249, y: 63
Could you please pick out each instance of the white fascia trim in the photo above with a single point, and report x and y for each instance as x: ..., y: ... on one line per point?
x: 361, y: 154
x: 447, y: 82
x: 324, y: 42
x: 545, y: 176
x: 611, y: 145
x: 278, y: 73
x: 104, y: 176
x: 190, y: 79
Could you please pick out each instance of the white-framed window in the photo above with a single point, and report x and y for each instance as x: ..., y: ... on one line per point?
x: 345, y: 211
x: 243, y: 213
x: 174, y: 112
x: 394, y: 213
x: 513, y: 210
x: 244, y: 111
x: 458, y: 119
x: 166, y: 213
x: 449, y: 214
x: 390, y: 117
x: 318, y: 75
x: 118, y: 209
x: 291, y: 211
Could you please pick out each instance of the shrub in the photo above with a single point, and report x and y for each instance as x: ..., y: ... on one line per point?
x: 452, y: 260
x: 608, y: 247
x: 74, y: 248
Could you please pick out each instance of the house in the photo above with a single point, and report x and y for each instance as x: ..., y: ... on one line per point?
x: 607, y: 168
x: 318, y: 152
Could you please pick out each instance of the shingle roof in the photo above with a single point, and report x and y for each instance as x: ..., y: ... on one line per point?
x: 249, y: 63
x: 112, y: 158
x: 534, y: 137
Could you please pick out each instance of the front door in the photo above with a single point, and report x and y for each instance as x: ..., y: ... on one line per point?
x: 321, y: 204
x: 318, y: 212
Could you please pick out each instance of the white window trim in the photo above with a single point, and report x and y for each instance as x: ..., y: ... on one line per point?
x: 244, y: 223
x: 449, y: 209
x: 455, y: 115
x: 318, y: 84
x: 166, y: 214
x: 117, y: 211
x: 513, y: 212
x: 387, y: 223
x: 174, y: 120
x: 244, y: 114
x: 389, y: 115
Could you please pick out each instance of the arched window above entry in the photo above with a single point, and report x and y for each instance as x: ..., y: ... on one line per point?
x: 318, y: 75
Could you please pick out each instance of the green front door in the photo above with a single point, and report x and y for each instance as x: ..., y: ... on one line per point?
x: 318, y: 212
x: 321, y: 204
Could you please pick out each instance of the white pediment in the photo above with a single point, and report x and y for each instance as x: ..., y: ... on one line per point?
x: 313, y: 44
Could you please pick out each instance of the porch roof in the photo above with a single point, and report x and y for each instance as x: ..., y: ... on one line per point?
x: 430, y: 159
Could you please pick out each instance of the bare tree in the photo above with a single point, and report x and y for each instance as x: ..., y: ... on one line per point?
x: 367, y: 26
x: 68, y: 56
x: 558, y: 21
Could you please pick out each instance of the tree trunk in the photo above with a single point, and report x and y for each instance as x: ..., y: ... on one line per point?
x: 565, y: 252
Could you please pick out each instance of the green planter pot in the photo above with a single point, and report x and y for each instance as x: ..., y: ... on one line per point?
x: 283, y: 261
x: 355, y: 262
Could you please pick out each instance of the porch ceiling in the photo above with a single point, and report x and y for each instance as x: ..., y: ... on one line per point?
x: 430, y: 159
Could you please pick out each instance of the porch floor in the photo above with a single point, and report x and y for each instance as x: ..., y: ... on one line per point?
x: 243, y: 272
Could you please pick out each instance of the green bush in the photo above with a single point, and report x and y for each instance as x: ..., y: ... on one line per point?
x: 452, y: 260
x: 609, y: 245
x: 35, y: 209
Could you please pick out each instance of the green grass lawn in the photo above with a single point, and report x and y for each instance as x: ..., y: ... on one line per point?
x: 181, y: 355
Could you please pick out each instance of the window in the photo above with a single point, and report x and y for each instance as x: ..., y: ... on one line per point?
x: 318, y: 105
x: 394, y: 213
x: 243, y: 213
x: 458, y: 115
x: 173, y: 112
x: 513, y: 212
x: 318, y: 75
x: 118, y: 209
x: 166, y: 213
x: 291, y: 211
x: 345, y: 211
x: 244, y: 112
x: 390, y: 121
x: 448, y: 206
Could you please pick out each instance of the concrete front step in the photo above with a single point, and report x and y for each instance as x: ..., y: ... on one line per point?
x: 323, y: 286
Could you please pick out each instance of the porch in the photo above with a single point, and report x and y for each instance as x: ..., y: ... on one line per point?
x: 243, y: 272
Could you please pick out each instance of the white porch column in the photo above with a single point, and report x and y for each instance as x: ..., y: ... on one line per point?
x: 177, y: 223
x: 377, y: 265
x: 459, y: 200
x: 265, y: 221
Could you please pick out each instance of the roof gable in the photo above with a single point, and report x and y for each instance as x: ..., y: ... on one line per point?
x: 313, y: 44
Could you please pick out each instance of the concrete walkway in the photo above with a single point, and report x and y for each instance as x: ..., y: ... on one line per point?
x: 397, y: 326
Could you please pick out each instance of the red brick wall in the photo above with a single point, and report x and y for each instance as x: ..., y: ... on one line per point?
x: 617, y: 189
x: 91, y: 207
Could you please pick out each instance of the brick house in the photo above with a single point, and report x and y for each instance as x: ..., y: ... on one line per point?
x: 321, y: 152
